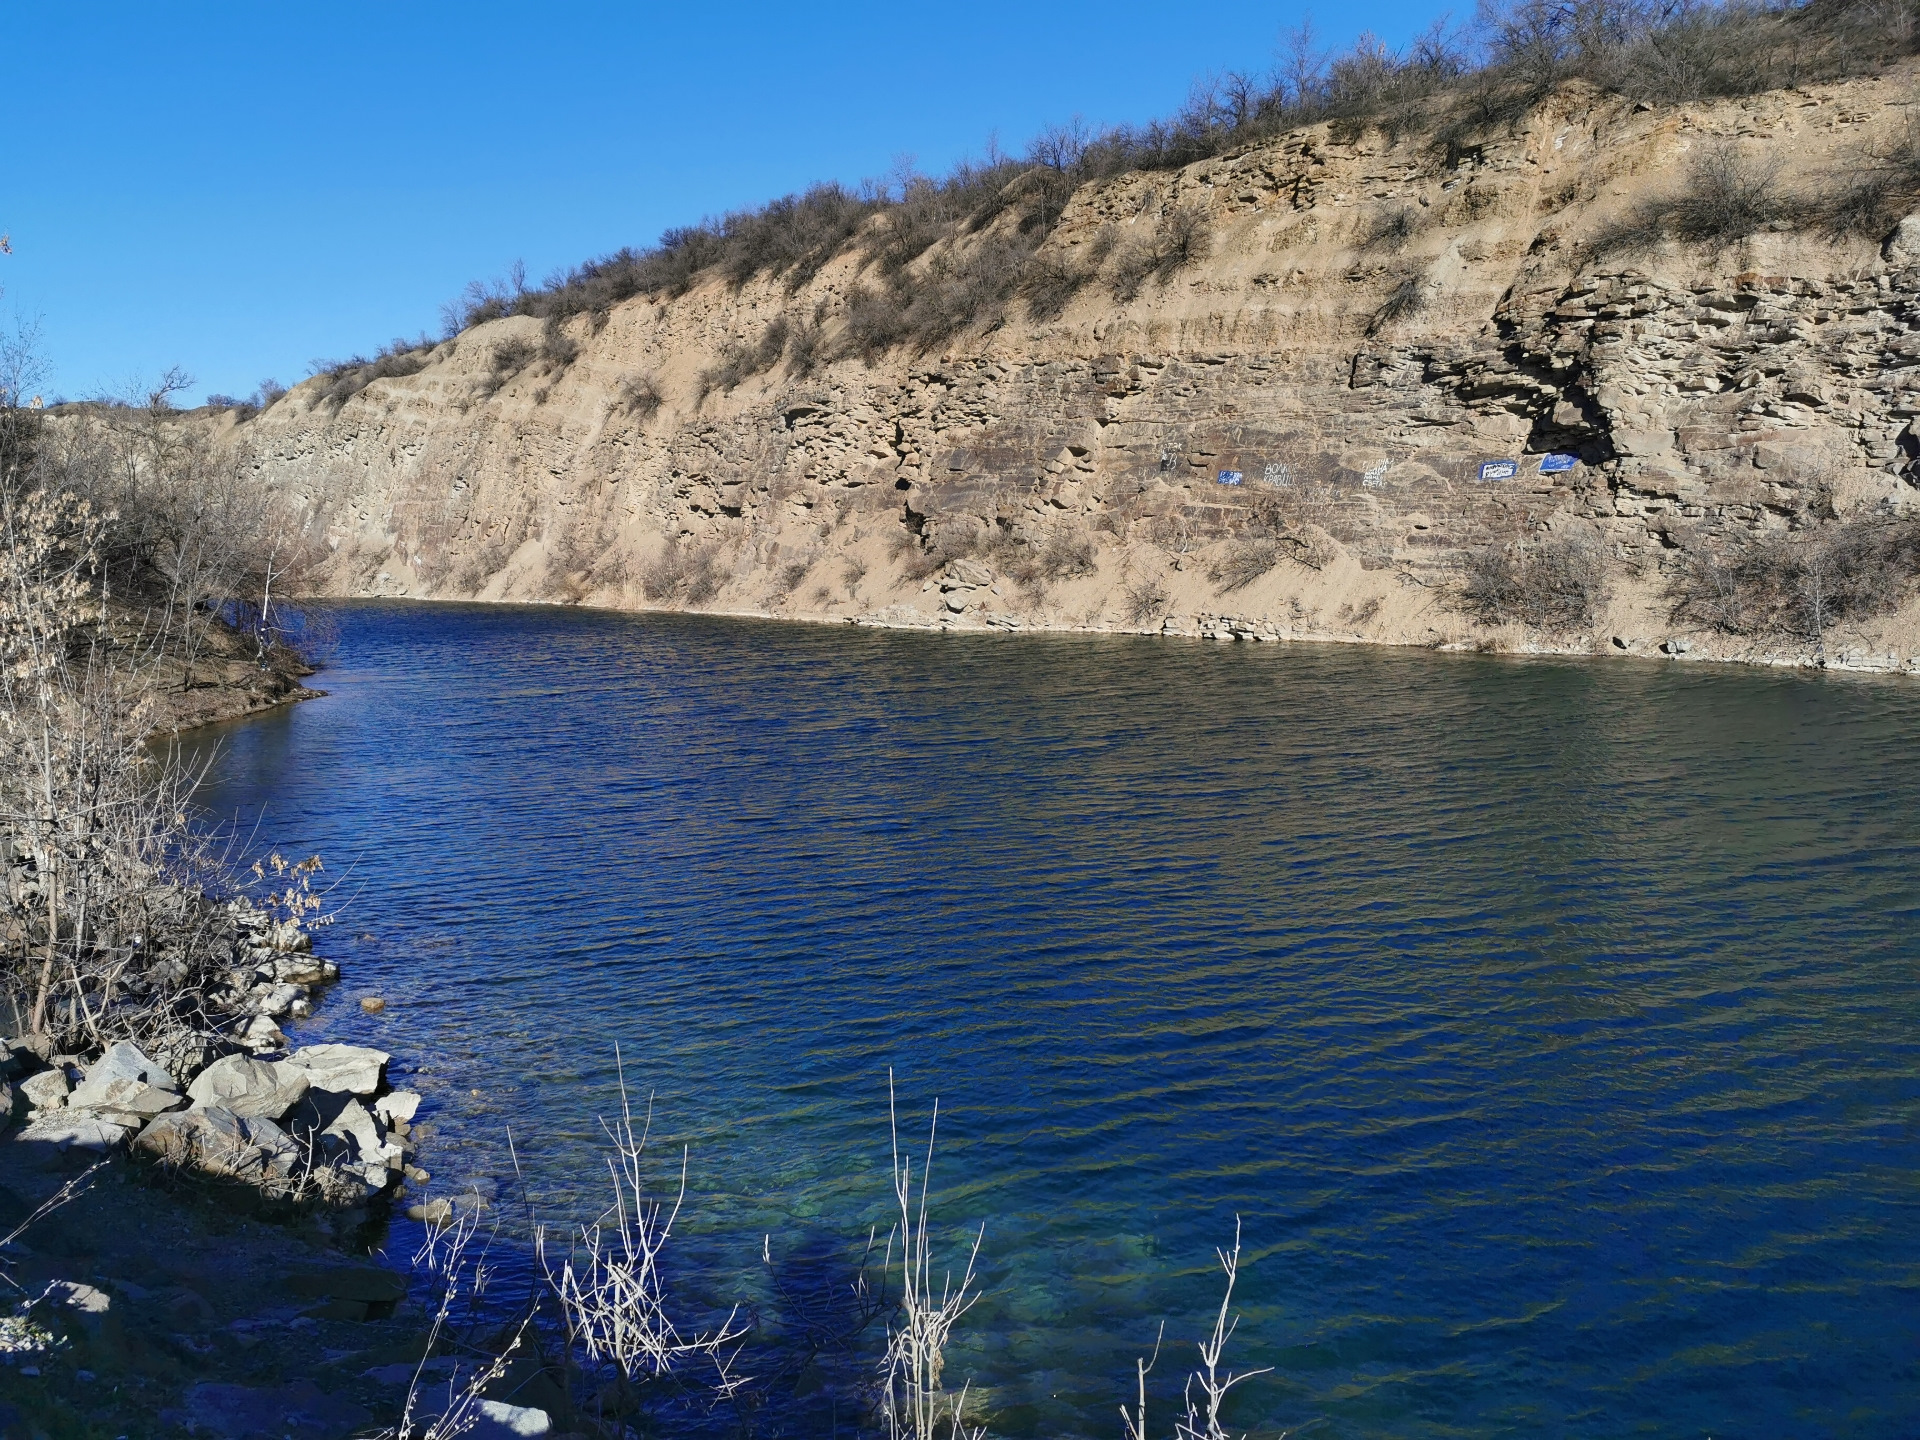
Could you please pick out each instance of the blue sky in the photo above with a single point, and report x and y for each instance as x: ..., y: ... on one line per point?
x: 241, y: 189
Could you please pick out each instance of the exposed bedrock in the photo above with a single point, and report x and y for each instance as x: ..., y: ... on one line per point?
x: 1395, y: 356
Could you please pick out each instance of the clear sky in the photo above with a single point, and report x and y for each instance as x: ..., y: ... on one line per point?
x: 243, y: 188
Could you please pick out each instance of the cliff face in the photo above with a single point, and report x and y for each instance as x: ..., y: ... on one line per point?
x: 1374, y: 325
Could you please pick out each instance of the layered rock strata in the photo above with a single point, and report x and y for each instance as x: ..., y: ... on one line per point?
x: 1392, y: 354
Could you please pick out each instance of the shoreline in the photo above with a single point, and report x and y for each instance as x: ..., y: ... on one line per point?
x: 1686, y: 649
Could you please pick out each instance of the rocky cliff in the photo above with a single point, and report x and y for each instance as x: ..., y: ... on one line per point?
x: 1372, y: 359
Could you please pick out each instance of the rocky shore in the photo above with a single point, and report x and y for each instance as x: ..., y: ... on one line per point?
x: 194, y: 1223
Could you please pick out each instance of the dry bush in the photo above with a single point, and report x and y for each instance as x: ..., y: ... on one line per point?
x: 1556, y: 584
x: 1144, y: 601
x: 687, y: 571
x: 1063, y: 554
x: 914, y: 1401
x: 1182, y: 239
x: 1245, y: 561
x: 1885, y: 188
x: 611, y: 1284
x: 558, y: 349
x: 1393, y: 229
x: 1200, y: 1419
x: 1051, y: 283
x: 957, y: 288
x: 640, y: 397
x: 1800, y: 583
x: 741, y: 361
x: 1727, y: 197
x: 347, y: 378
x: 1406, y: 300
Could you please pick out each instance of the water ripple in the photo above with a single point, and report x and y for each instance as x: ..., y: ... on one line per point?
x: 1551, y: 1024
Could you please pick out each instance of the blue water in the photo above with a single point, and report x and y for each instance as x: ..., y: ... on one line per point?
x: 1551, y: 1025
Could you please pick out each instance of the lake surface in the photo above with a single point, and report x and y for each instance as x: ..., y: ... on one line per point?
x: 1553, y: 1026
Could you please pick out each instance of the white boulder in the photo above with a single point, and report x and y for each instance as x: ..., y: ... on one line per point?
x: 251, y: 1089
x: 355, y: 1069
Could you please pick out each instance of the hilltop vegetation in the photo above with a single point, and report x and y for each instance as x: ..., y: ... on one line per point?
x: 1452, y: 87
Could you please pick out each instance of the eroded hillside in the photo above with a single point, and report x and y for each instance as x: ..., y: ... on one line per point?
x: 1357, y: 328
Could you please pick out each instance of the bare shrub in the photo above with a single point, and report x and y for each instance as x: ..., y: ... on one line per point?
x: 558, y: 349
x: 913, y: 1400
x: 511, y: 356
x: 1884, y: 189
x: 686, y: 571
x: 1555, y: 584
x: 1245, y: 561
x: 788, y: 577
x: 956, y: 288
x: 1406, y: 300
x: 1181, y: 239
x: 1051, y: 283
x: 1800, y: 583
x: 1145, y: 601
x: 1727, y: 197
x: 1063, y: 554
x: 1201, y: 1417
x: 639, y: 396
x: 347, y: 378
x: 741, y: 360
x: 1392, y: 229
x: 611, y: 1283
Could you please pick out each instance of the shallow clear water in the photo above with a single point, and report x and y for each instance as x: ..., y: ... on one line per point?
x: 1551, y: 1024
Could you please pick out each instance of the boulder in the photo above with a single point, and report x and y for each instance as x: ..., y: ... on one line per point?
x: 218, y: 1142
x: 75, y: 1130
x: 278, y: 1000
x: 498, y: 1420
x: 1903, y: 245
x: 47, y: 1090
x: 126, y: 1102
x: 260, y: 1033
x: 6, y: 1105
x: 355, y: 1069
x: 251, y: 1089
x: 400, y: 1105
x: 355, y: 1141
x: 123, y: 1060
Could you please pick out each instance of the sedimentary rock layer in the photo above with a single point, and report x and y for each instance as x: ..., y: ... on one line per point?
x: 1393, y: 354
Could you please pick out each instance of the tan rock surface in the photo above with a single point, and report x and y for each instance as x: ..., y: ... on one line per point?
x: 1372, y: 323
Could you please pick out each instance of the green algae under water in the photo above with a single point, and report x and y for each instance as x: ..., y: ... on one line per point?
x: 1551, y: 1025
